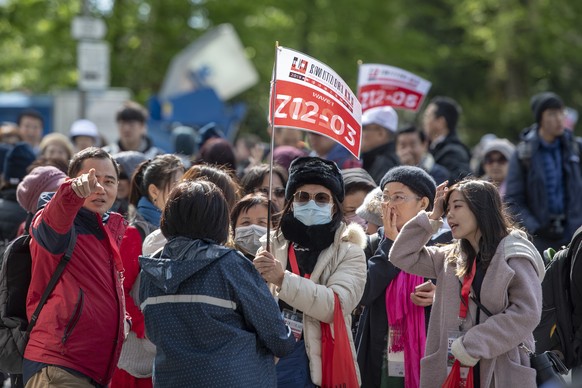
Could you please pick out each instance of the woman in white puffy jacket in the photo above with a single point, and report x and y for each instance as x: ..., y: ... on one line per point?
x: 313, y: 254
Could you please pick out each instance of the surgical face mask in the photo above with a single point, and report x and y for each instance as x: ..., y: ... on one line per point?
x: 247, y: 237
x: 312, y: 213
x: 357, y: 220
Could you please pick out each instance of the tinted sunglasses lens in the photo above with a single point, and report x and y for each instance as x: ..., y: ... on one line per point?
x: 279, y: 192
x: 322, y: 198
x: 301, y: 197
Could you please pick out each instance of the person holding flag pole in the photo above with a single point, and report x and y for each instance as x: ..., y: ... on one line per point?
x: 313, y: 261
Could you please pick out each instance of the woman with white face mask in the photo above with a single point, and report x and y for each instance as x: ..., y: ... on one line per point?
x: 313, y: 255
x: 249, y: 218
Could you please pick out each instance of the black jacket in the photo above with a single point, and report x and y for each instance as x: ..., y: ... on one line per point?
x: 454, y: 156
x: 379, y: 160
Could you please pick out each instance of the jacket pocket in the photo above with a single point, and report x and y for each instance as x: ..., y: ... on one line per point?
x: 75, y: 316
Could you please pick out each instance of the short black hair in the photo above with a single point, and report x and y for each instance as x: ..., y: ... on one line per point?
x: 249, y: 201
x: 29, y: 113
x: 159, y: 171
x: 196, y: 210
x: 411, y: 129
x: 132, y: 111
x: 220, y: 176
x: 89, y: 153
x: 449, y: 109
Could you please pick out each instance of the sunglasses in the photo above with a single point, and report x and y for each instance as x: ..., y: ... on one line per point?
x: 302, y: 197
x: 278, y: 192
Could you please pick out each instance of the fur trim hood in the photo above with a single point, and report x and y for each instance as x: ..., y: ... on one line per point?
x: 354, y: 233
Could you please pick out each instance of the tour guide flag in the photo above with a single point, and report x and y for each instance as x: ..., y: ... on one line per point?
x: 310, y: 96
x: 383, y: 85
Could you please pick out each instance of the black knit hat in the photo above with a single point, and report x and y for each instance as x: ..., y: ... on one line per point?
x: 544, y: 101
x: 313, y: 170
x: 415, y: 178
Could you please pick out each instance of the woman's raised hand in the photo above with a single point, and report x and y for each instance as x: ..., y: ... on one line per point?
x: 389, y: 222
x: 439, y: 201
x: 270, y: 268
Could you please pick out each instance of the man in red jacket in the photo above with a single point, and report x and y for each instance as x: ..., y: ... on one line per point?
x: 78, y: 336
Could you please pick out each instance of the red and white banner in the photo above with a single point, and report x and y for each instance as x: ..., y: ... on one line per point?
x: 383, y: 85
x: 312, y: 97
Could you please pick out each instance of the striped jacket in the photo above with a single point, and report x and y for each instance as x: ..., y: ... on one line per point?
x: 211, y: 317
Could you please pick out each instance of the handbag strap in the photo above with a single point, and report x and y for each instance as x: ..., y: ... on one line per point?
x: 53, y: 281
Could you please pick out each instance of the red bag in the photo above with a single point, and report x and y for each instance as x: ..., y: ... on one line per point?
x: 337, y: 363
x: 454, y: 379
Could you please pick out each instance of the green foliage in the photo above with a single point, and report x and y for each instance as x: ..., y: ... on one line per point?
x: 490, y: 55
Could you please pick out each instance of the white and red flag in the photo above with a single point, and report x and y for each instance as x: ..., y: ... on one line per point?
x: 311, y: 96
x: 383, y: 85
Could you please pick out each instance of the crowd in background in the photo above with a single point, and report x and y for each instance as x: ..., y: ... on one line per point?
x: 190, y: 216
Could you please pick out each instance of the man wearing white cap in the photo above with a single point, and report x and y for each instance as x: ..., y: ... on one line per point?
x: 378, y: 150
x: 84, y: 134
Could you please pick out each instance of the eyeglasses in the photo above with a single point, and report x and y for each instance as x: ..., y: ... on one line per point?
x: 302, y: 197
x: 277, y: 192
x: 499, y: 160
x: 396, y: 199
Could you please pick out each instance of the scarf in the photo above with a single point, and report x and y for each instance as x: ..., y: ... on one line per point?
x: 148, y: 211
x: 407, y: 323
x: 308, y: 241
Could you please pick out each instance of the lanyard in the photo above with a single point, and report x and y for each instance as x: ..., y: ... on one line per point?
x: 465, y: 290
x: 293, y: 262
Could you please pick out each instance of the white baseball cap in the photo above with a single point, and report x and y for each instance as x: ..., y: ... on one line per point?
x: 84, y: 128
x: 384, y: 116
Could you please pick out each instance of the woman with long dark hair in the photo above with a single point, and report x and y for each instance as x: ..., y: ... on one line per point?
x: 491, y: 269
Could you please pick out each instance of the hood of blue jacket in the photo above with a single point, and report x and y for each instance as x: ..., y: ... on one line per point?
x: 181, y: 258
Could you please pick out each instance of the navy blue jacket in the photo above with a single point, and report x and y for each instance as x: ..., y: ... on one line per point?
x: 526, y: 194
x: 212, y: 318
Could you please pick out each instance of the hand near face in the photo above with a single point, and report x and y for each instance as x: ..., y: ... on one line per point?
x: 270, y: 268
x: 86, y: 184
x: 439, y: 201
x: 389, y: 221
x: 423, y: 298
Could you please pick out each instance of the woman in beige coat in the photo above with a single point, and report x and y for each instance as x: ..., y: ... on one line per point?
x: 506, y: 270
x: 313, y: 255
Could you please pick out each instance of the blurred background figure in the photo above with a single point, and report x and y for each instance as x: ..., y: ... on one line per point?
x: 256, y: 180
x: 9, y: 133
x: 249, y: 220
x: 412, y: 150
x: 249, y: 150
x: 371, y: 210
x: 31, y: 125
x: 285, y: 155
x: 128, y: 162
x: 326, y: 148
x: 358, y: 183
x: 496, y: 156
x: 378, y: 149
x: 84, y: 134
x: 218, y: 152
x: 185, y: 141
x: 56, y: 146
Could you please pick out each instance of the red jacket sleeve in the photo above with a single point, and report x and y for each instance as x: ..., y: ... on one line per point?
x: 130, y: 250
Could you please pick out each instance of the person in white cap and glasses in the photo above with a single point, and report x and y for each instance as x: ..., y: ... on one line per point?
x: 84, y: 134
x: 497, y: 153
x: 379, y: 126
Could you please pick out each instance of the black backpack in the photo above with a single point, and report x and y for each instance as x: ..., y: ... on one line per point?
x: 556, y: 331
x: 15, y: 276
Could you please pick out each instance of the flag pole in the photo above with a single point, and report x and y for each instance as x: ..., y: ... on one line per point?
x: 271, y: 159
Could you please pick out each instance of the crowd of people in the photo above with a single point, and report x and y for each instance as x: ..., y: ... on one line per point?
x: 209, y: 267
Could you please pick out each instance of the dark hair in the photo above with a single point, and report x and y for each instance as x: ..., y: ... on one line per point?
x: 220, y: 176
x: 249, y: 201
x: 132, y: 111
x: 89, y: 153
x: 484, y: 202
x: 218, y: 151
x: 29, y: 113
x: 196, y: 210
x: 253, y: 179
x: 44, y: 161
x: 158, y: 171
x: 449, y: 109
x: 411, y: 129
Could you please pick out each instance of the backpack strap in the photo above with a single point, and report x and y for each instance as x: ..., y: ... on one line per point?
x: 53, y: 281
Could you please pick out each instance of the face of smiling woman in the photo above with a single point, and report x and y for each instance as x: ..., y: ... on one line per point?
x: 102, y: 199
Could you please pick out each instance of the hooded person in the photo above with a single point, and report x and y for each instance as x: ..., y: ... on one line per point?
x: 313, y: 256
x: 358, y: 183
